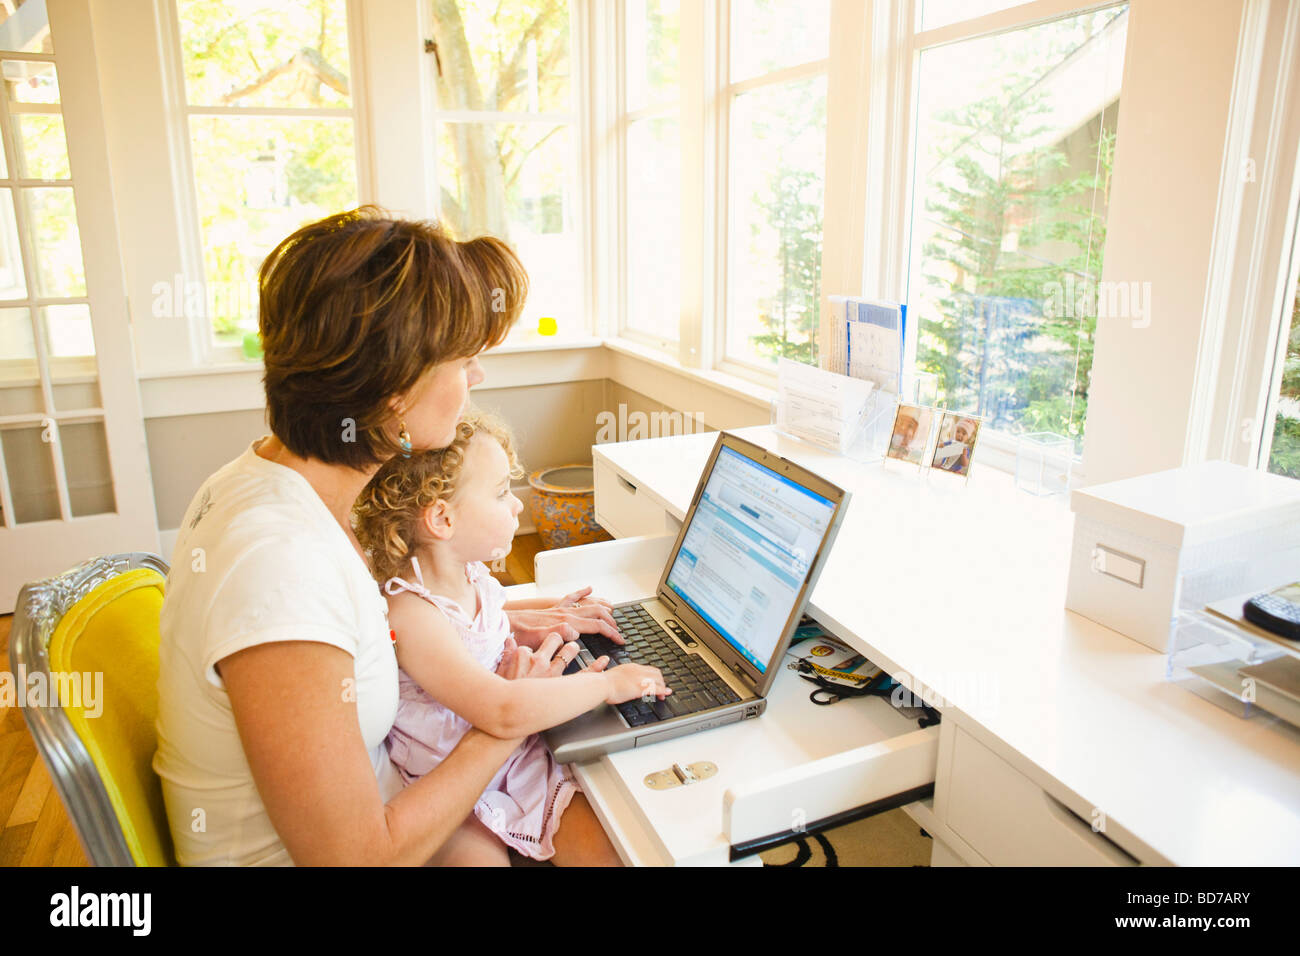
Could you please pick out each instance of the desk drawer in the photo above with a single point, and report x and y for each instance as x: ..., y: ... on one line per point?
x: 622, y: 508
x: 869, y: 779
x: 1011, y: 821
x: 796, y: 766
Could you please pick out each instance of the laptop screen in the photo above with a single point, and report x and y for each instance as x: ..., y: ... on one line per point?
x: 746, y: 553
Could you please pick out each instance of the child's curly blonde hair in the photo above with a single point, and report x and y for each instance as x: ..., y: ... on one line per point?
x: 388, y: 512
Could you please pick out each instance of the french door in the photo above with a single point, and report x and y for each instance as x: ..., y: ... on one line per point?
x: 74, y: 467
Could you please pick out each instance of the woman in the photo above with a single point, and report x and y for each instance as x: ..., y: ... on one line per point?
x: 278, y: 681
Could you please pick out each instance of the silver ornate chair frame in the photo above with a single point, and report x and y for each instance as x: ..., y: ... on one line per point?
x: 41, y: 605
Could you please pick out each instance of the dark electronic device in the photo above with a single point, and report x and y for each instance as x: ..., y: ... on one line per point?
x: 1276, y: 611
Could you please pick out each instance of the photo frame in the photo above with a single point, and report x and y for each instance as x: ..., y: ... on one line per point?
x: 909, y: 440
x: 954, y: 445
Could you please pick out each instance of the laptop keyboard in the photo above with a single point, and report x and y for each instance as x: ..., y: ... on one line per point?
x: 694, y: 684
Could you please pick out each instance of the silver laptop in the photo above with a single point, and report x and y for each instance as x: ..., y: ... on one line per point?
x: 748, y: 554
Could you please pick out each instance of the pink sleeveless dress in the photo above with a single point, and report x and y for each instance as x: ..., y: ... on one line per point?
x: 530, y: 792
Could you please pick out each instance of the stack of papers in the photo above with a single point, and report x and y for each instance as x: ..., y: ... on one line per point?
x: 871, y: 341
x: 820, y: 407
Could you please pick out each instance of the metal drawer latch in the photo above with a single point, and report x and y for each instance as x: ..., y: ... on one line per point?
x: 679, y: 776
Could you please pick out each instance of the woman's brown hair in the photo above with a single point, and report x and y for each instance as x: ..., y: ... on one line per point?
x: 355, y: 308
x: 388, y: 512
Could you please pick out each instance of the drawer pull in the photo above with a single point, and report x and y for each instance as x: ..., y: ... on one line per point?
x: 626, y: 484
x: 1084, y: 830
x: 1118, y: 565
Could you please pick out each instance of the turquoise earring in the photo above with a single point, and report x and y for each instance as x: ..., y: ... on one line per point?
x: 405, y: 438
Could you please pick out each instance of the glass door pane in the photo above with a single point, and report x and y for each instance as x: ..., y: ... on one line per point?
x: 1284, y: 456
x: 54, y: 439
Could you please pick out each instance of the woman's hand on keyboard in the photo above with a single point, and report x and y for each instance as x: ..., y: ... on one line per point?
x: 631, y: 681
x: 550, y: 659
x: 531, y: 626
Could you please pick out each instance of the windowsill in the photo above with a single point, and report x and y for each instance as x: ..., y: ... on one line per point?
x: 521, y: 346
x: 733, y: 385
x: 237, y: 386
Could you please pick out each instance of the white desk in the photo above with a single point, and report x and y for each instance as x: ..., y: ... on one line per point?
x: 1051, y: 722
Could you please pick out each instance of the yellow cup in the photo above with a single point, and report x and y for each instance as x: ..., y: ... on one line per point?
x: 546, y: 325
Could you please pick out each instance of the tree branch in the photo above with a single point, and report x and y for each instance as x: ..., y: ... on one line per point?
x: 307, y: 60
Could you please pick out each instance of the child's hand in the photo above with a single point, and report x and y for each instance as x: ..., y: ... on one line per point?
x: 630, y: 681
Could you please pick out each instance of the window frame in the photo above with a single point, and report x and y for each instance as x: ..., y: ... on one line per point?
x: 580, y: 120
x: 625, y: 117
x: 890, y: 268
x: 203, y: 348
x: 1256, y: 256
x: 726, y: 94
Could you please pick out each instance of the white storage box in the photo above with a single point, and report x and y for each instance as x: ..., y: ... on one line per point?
x: 1145, y: 547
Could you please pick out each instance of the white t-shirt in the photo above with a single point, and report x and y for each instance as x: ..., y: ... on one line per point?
x: 259, y: 559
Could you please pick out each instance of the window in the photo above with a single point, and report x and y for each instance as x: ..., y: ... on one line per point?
x: 1283, y: 450
x: 507, y: 154
x: 272, y: 135
x: 776, y: 149
x: 1014, y: 140
x: 652, y: 173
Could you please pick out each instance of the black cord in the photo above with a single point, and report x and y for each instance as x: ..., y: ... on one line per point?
x: 878, y: 686
x: 882, y: 685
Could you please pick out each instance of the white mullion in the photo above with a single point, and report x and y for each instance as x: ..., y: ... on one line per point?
x: 718, y: 182
x: 649, y: 112
x: 1251, y: 285
x: 694, y: 55
x: 27, y: 252
x: 787, y: 75
x: 70, y: 416
x: 36, y: 109
x: 620, y: 178
x: 6, y: 497
x: 358, y: 91
x: 895, y: 88
x: 487, y: 116
x: 582, y: 54
x: 190, y: 242
x: 287, y: 112
x: 849, y: 112
x: 1004, y: 21
x: 32, y: 57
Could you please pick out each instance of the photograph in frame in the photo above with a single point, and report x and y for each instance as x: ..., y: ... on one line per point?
x: 911, y: 433
x: 954, y: 449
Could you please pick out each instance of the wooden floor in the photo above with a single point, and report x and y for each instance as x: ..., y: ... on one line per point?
x: 35, y: 828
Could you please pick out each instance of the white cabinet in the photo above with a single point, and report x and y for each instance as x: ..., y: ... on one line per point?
x: 624, y: 508
x: 1008, y: 820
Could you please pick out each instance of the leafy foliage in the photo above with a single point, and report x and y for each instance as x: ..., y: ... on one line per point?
x: 1284, y: 457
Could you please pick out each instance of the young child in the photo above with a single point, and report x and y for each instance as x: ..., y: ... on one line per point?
x: 429, y: 524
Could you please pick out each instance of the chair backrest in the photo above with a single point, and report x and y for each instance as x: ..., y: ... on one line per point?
x: 91, y: 634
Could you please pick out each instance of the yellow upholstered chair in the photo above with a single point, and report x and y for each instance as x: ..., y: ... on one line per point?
x: 89, y: 639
